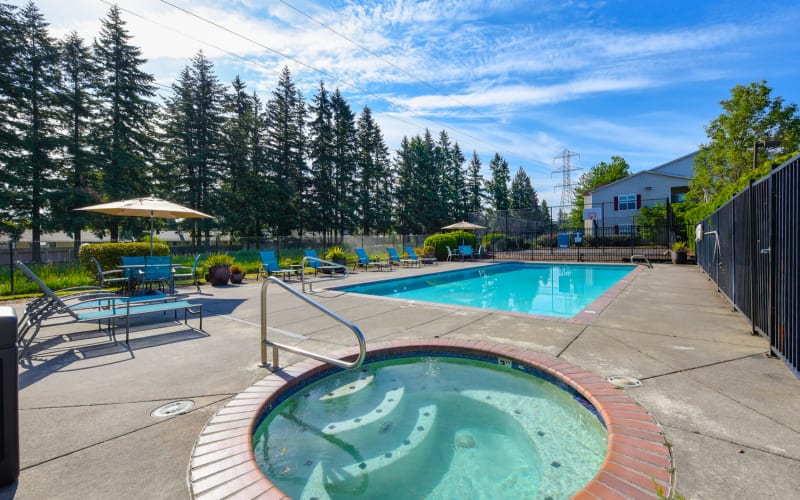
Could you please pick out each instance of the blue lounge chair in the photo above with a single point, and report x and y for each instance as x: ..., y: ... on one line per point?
x: 269, y: 266
x: 395, y: 259
x: 412, y: 255
x: 319, y: 265
x: 365, y: 262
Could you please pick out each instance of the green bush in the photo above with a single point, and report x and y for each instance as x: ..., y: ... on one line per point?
x: 490, y: 239
x: 440, y: 242
x: 218, y: 259
x: 546, y: 241
x: 110, y: 254
x: 464, y: 237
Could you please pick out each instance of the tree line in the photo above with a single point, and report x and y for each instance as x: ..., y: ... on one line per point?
x: 81, y: 124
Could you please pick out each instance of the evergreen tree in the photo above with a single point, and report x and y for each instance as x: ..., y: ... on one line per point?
x: 10, y: 140
x: 29, y: 156
x: 79, y: 168
x: 475, y: 184
x: 285, y: 145
x: 322, y: 197
x: 242, y: 191
x: 405, y: 214
x: 523, y: 196
x: 498, y: 185
x: 375, y: 182
x: 124, y: 134
x: 346, y: 161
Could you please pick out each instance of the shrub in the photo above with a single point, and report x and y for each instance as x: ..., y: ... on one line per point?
x: 464, y: 237
x: 335, y: 253
x: 236, y: 269
x: 110, y: 254
x: 440, y: 242
x: 490, y: 238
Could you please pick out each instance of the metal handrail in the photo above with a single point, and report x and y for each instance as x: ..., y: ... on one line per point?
x: 641, y: 256
x: 307, y: 259
x: 362, y: 344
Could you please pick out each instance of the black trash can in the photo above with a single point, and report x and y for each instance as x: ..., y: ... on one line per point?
x: 9, y: 390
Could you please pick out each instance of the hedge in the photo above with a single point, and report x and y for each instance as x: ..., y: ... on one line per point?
x: 440, y: 242
x: 110, y: 254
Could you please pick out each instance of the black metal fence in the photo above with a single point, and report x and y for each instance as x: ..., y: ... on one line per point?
x: 750, y: 247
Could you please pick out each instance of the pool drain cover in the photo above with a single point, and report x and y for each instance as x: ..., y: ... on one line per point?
x: 173, y: 408
x: 622, y: 381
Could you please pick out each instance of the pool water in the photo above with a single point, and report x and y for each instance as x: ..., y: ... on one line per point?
x: 560, y: 290
x: 431, y: 428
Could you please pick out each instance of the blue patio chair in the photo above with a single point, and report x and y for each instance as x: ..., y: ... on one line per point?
x: 110, y: 278
x: 465, y: 251
x: 449, y: 254
x: 157, y: 272
x: 269, y: 266
x: 318, y: 265
x: 182, y: 273
x: 365, y: 262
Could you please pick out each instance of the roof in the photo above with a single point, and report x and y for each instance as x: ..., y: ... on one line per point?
x: 679, y: 168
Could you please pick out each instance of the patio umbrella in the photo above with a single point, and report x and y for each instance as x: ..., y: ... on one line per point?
x: 467, y: 226
x: 147, y: 207
x: 463, y: 225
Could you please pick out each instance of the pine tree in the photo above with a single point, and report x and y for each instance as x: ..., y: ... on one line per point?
x: 374, y: 176
x: 322, y: 196
x: 242, y: 188
x: 346, y: 164
x: 475, y: 184
x: 79, y: 168
x: 30, y: 160
x: 498, y: 185
x: 124, y: 134
x: 285, y: 157
x: 10, y: 140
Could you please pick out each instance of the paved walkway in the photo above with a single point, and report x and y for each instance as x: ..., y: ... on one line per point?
x: 86, y: 430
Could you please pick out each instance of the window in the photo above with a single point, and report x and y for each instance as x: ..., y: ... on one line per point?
x: 627, y: 202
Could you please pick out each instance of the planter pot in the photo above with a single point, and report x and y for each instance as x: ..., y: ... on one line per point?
x: 679, y: 257
x: 219, y: 275
x: 236, y: 278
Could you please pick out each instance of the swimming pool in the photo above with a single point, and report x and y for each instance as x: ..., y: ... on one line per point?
x: 560, y: 290
x: 432, y: 427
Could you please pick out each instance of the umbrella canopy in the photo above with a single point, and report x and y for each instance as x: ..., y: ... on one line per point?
x: 467, y: 226
x: 147, y: 207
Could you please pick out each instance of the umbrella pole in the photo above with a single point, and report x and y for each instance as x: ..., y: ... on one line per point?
x: 151, y: 233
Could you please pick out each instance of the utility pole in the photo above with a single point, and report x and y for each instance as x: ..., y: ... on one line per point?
x: 566, y: 170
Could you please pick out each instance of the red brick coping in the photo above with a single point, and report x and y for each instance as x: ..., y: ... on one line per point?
x: 637, y: 461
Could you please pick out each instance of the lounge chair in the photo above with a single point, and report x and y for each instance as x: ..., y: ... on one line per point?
x: 90, y: 306
x: 319, y: 265
x: 395, y: 259
x: 181, y: 273
x: 365, y: 262
x: 412, y: 255
x: 269, y: 266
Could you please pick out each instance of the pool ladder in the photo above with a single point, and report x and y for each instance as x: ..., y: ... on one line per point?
x: 265, y: 342
x: 638, y: 257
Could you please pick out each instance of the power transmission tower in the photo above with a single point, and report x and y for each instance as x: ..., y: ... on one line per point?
x: 566, y: 170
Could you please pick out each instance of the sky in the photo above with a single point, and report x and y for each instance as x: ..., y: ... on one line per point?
x: 529, y: 79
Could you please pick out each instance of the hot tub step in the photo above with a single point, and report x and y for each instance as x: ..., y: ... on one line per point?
x: 390, y: 402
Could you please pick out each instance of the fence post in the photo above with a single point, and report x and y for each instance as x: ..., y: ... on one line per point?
x: 11, y: 265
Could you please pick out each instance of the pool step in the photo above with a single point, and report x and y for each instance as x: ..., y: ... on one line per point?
x: 316, y: 486
x: 349, y: 388
x: 390, y: 402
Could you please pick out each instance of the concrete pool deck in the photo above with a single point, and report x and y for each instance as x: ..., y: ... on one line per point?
x: 728, y: 411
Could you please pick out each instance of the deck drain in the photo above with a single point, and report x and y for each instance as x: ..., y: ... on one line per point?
x: 622, y: 381
x: 173, y: 408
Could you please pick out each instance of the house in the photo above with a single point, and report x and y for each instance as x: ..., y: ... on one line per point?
x: 613, y: 206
